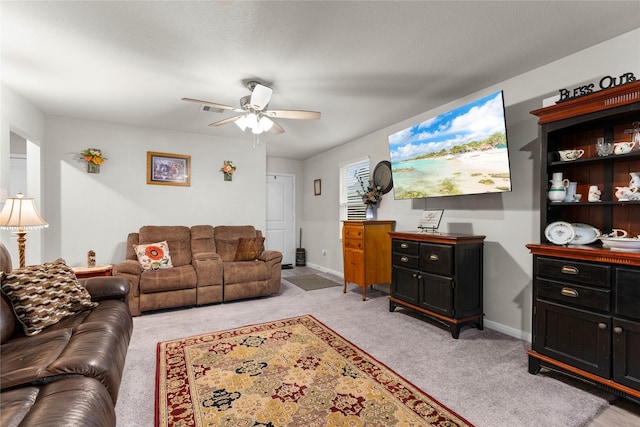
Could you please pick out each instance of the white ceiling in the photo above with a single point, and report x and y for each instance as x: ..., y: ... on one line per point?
x: 364, y: 65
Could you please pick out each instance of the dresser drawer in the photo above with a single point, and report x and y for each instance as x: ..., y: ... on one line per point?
x: 406, y: 261
x: 354, y: 244
x: 405, y: 247
x: 436, y: 258
x: 575, y: 272
x: 576, y: 295
x: 353, y: 232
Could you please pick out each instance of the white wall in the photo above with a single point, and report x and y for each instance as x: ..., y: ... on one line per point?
x: 17, y: 115
x: 510, y: 220
x: 97, y: 211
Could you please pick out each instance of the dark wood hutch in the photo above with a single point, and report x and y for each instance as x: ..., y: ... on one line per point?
x: 586, y: 302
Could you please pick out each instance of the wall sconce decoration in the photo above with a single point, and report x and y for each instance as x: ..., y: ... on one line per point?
x: 228, y: 169
x: 94, y: 159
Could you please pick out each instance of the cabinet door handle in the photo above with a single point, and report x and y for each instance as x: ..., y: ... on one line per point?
x: 404, y: 259
x: 617, y: 330
x: 434, y: 257
x: 404, y: 245
x: 602, y: 326
x: 569, y: 269
x: 568, y: 292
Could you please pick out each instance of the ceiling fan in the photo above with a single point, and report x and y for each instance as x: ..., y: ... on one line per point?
x: 255, y: 115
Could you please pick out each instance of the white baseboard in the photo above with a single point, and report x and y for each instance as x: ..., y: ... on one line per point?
x: 508, y: 330
x: 325, y: 270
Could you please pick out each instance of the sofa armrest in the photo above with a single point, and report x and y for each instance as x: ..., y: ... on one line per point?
x: 131, y: 270
x: 270, y: 257
x: 128, y: 266
x: 102, y: 288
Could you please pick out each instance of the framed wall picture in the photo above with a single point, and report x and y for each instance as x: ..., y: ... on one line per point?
x: 317, y: 187
x: 168, y: 169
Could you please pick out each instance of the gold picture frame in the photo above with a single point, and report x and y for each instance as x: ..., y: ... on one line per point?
x: 168, y: 169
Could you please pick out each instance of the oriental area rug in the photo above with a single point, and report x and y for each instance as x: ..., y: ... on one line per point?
x: 291, y: 372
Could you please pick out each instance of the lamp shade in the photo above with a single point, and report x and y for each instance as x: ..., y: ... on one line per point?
x: 20, y: 213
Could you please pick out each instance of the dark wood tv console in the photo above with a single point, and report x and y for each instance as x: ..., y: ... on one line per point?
x: 438, y: 275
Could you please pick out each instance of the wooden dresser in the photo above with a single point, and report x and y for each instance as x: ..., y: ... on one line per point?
x: 439, y: 275
x: 366, y: 251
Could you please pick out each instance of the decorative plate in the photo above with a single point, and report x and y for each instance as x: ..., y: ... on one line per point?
x: 382, y: 176
x: 631, y: 244
x: 585, y: 234
x: 560, y: 232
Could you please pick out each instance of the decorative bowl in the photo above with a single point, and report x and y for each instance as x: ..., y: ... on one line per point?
x: 621, y: 243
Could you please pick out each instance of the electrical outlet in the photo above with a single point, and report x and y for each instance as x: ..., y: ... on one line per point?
x: 324, y: 252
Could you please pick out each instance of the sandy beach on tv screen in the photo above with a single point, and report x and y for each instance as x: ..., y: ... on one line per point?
x: 473, y: 172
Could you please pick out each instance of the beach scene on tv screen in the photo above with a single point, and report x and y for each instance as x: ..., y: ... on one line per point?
x: 463, y: 151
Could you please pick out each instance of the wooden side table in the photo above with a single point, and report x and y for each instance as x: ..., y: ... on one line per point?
x: 84, y: 272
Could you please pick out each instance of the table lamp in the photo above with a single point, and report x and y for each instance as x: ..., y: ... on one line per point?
x: 20, y: 213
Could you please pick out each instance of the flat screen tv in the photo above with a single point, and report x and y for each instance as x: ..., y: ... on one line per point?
x: 463, y: 151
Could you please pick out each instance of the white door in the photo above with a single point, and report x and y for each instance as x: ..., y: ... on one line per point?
x: 280, y: 233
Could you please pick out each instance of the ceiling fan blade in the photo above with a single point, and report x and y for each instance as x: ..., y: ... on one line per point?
x: 293, y: 114
x: 260, y: 97
x: 213, y: 104
x: 276, y: 128
x: 225, y: 121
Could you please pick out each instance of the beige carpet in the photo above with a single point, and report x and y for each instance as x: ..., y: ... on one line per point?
x: 482, y: 375
x: 311, y: 282
x: 290, y: 372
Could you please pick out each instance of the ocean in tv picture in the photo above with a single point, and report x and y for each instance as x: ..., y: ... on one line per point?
x: 473, y: 172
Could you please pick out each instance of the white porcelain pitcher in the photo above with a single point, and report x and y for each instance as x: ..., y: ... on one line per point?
x: 558, y: 190
x: 635, y: 179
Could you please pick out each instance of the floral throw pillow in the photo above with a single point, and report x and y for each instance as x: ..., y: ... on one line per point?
x: 42, y: 295
x: 249, y: 248
x: 153, y: 256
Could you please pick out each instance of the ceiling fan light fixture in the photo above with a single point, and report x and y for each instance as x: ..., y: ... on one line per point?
x: 257, y: 130
x: 242, y: 123
x: 252, y: 120
x: 266, y: 123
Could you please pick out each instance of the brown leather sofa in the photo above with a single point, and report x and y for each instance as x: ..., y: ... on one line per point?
x: 204, y: 269
x: 69, y: 373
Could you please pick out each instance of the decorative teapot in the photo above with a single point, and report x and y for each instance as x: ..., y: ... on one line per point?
x: 627, y: 193
x: 623, y: 147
